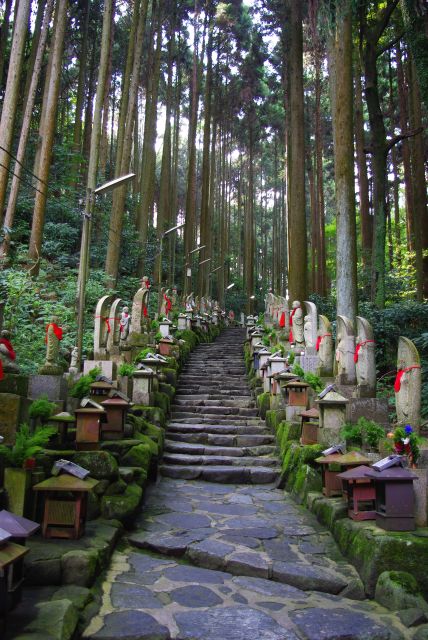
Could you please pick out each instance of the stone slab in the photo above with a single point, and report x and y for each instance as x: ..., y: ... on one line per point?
x: 338, y: 624
x: 54, y: 387
x: 108, y: 368
x: 371, y: 408
x: 10, y: 412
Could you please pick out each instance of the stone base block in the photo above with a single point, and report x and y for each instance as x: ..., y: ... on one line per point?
x: 54, y: 387
x: 14, y: 383
x: 293, y: 413
x: 421, y: 496
x: 10, y: 413
x: 309, y: 362
x: 371, y: 408
x: 108, y: 368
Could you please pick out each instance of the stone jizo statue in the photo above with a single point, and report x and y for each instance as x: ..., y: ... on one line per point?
x: 7, y: 354
x: 407, y: 385
x: 124, y: 323
x: 324, y: 347
x: 364, y: 358
x: 53, y: 338
x: 345, y: 350
x: 296, y: 325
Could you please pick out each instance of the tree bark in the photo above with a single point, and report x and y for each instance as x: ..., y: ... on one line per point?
x: 10, y: 100
x: 297, y: 241
x: 46, y: 145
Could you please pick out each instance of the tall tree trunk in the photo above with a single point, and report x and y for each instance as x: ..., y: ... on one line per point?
x: 297, y: 242
x: 366, y: 220
x: 10, y: 100
x: 25, y: 128
x: 119, y: 195
x: 346, y: 246
x: 46, y: 145
x: 419, y: 187
x: 80, y: 98
x: 92, y: 168
x: 415, y: 18
x: 4, y: 35
x: 405, y: 150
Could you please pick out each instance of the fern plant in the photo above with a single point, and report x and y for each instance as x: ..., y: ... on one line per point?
x: 126, y: 369
x: 82, y: 386
x: 27, y: 444
x: 42, y: 408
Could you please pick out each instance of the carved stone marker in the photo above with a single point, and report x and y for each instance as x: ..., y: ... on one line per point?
x: 324, y: 347
x: 364, y: 358
x: 296, y: 326
x: 102, y: 327
x: 140, y: 313
x: 407, y: 385
x: 115, y: 333
x: 52, y: 364
x: 345, y: 350
x: 310, y: 328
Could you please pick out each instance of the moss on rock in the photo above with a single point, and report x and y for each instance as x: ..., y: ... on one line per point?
x: 122, y: 507
x: 263, y: 403
x: 162, y: 400
x: 139, y: 456
x: 101, y: 464
x: 167, y: 389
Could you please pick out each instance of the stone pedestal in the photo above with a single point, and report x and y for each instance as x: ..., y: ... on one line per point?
x: 292, y: 413
x: 10, y: 412
x: 309, y: 363
x: 375, y: 409
x: 143, y: 387
x: 108, y: 367
x: 421, y: 496
x: 54, y: 387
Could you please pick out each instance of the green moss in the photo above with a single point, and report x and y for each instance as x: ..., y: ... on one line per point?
x: 263, y: 403
x: 310, y: 452
x: 162, y: 400
x: 406, y: 581
x: 170, y: 376
x: 167, y: 389
x: 155, y: 415
x: 124, y: 506
x: 139, y: 456
x: 101, y: 464
x: 274, y: 417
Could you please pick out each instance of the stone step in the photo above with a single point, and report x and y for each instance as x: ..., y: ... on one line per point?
x: 189, y: 397
x: 207, y: 450
x: 222, y: 473
x: 192, y: 418
x: 223, y: 440
x: 205, y: 402
x: 178, y: 427
x: 221, y: 410
x: 244, y: 461
x: 195, y: 390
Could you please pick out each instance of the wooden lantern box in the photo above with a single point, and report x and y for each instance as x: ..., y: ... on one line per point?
x: 88, y: 425
x: 64, y: 512
x: 11, y: 572
x: 309, y: 426
x: 395, y: 500
x: 100, y: 389
x: 359, y: 492
x: 63, y: 421
x: 334, y: 464
x: 116, y: 408
x: 166, y: 346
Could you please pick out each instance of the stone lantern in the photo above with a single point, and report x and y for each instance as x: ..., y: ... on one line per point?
x: 296, y: 399
x: 143, y: 385
x: 100, y: 389
x: 255, y: 337
x: 395, y: 499
x: 182, y: 322
x: 332, y: 408
x: 165, y: 346
x: 334, y: 464
x: 260, y: 354
x: 215, y: 318
x: 164, y: 327
x: 189, y: 317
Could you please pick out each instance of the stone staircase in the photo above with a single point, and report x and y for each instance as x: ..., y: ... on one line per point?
x: 215, y: 433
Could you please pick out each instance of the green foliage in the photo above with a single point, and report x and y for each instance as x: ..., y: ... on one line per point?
x: 158, y: 336
x: 27, y: 444
x: 365, y: 432
x: 266, y: 341
x: 42, y: 408
x: 143, y: 354
x: 154, y: 325
x: 82, y: 387
x: 297, y: 369
x: 291, y: 357
x: 126, y: 369
x: 314, y: 381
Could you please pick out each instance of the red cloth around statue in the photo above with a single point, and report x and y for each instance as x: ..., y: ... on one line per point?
x: 358, y: 347
x: 400, y: 374
x: 57, y: 331
x: 319, y: 339
x: 282, y: 320
x: 7, y: 343
x: 168, y: 303
x: 1, y: 371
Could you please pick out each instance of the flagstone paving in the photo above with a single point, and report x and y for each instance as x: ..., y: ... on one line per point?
x: 232, y: 558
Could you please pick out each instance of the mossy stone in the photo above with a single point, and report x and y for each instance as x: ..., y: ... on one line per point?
x: 15, y: 383
x: 139, y: 456
x: 155, y: 415
x: 122, y: 507
x: 79, y: 596
x: 101, y: 464
x: 162, y: 400
x: 79, y: 567
x: 56, y: 619
x: 116, y: 488
x: 167, y: 389
x: 263, y: 403
x: 397, y: 590
x: 140, y: 475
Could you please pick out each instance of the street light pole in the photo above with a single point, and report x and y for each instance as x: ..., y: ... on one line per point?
x: 84, y: 254
x: 177, y: 226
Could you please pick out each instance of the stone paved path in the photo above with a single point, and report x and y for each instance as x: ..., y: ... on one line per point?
x: 221, y: 561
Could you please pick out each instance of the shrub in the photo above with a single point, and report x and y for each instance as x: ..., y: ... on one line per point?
x: 82, y: 386
x: 41, y: 408
x: 126, y: 369
x: 27, y: 444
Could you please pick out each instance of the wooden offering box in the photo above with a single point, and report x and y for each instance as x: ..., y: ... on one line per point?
x: 63, y: 421
x: 334, y: 464
x: 88, y: 426
x: 310, y: 424
x: 395, y: 500
x: 116, y: 409
x: 11, y: 572
x: 64, y: 514
x: 359, y: 492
